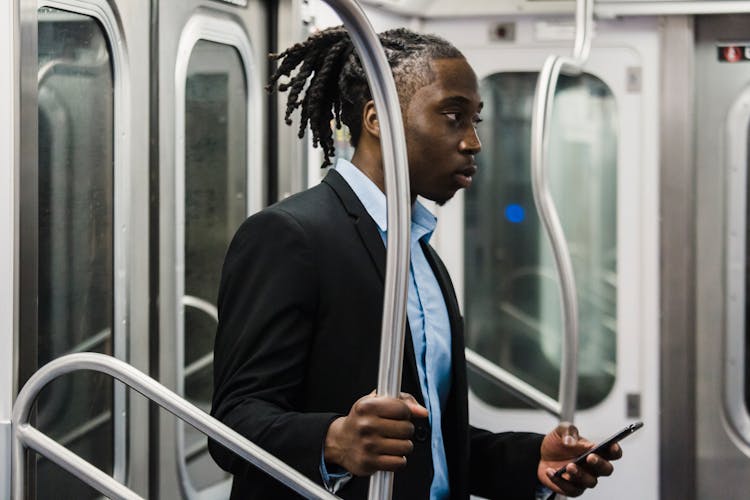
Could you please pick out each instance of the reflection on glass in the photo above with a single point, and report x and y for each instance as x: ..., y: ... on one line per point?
x: 76, y: 216
x: 513, y: 310
x: 215, y: 205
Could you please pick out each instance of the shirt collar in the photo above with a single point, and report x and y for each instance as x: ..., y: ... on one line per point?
x: 423, y: 222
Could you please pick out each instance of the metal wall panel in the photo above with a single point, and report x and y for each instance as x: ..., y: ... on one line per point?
x: 8, y: 199
x: 677, y: 233
x: 723, y: 466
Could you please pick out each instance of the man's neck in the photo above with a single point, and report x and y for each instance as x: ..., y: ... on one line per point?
x: 372, y: 166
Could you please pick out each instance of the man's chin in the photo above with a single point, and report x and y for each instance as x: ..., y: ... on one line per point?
x: 440, y: 199
x: 444, y: 199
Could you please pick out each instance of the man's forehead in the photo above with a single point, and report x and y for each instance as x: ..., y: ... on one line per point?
x: 454, y: 73
x: 454, y: 82
x: 460, y: 100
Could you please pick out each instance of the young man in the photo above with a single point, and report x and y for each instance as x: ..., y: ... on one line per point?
x: 301, y: 296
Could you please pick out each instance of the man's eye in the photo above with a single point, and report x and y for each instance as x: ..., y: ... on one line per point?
x: 454, y: 117
x: 477, y: 120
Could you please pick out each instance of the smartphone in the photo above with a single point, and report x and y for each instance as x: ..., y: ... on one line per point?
x: 603, y: 446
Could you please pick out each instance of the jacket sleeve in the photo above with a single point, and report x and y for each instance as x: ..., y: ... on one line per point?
x: 504, y: 465
x: 267, y: 303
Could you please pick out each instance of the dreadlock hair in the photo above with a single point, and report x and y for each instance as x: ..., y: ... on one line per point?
x: 337, y: 86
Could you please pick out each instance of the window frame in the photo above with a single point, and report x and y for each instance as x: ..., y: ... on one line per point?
x: 102, y: 13
x: 737, y: 130
x: 211, y: 27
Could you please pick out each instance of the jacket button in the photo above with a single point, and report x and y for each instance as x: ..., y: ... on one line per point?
x: 420, y: 433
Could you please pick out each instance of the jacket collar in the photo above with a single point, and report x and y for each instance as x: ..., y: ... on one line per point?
x: 366, y: 227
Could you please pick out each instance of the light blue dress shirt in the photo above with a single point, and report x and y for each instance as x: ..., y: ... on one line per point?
x: 426, y: 311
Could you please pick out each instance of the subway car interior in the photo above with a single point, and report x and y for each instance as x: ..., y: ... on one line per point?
x: 112, y: 234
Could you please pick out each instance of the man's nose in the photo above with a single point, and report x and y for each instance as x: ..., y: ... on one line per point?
x: 471, y: 144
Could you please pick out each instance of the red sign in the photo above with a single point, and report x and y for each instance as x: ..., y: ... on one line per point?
x: 734, y: 53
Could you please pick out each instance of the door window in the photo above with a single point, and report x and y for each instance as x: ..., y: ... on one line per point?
x: 513, y: 308
x: 215, y: 205
x: 75, y: 238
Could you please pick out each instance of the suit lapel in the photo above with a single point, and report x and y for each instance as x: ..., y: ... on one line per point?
x: 368, y: 232
x: 366, y: 227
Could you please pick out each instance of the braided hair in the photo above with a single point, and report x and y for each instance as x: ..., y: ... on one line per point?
x: 336, y: 83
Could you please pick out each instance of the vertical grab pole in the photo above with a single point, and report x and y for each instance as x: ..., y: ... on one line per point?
x: 541, y: 117
x: 393, y: 147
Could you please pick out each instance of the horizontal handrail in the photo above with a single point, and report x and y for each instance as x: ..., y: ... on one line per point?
x: 512, y: 383
x: 199, y: 364
x: 202, y: 305
x: 212, y: 311
x: 94, y: 341
x: 25, y: 435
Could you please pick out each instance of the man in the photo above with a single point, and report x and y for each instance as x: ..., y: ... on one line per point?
x: 301, y: 296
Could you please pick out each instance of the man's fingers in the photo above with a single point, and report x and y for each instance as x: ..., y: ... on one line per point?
x: 396, y: 447
x: 416, y: 409
x: 405, y: 407
x: 598, y: 466
x: 383, y: 407
x: 613, y: 453
x: 563, y: 485
x: 579, y: 477
x: 568, y: 433
x: 390, y: 463
x: 395, y: 429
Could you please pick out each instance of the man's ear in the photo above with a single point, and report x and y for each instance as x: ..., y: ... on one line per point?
x: 370, y: 124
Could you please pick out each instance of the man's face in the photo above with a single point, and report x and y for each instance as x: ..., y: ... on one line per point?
x: 441, y: 138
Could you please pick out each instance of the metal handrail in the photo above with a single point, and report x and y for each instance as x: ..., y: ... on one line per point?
x: 183, y: 372
x: 393, y: 150
x: 25, y: 435
x: 515, y: 385
x: 541, y: 117
x: 202, y: 305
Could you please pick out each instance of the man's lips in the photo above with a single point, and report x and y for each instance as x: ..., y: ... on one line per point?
x: 464, y: 176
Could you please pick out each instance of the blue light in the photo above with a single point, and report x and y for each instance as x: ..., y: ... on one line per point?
x: 515, y: 213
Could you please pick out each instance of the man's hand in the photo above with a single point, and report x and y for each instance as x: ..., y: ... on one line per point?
x: 375, y: 435
x: 563, y: 445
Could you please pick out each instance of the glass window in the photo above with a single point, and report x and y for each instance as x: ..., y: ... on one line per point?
x: 76, y: 217
x: 513, y: 310
x: 215, y: 206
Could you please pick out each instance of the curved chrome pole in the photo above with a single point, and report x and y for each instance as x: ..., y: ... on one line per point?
x: 393, y: 148
x: 24, y: 435
x: 511, y: 383
x: 541, y: 117
x: 189, y: 490
x: 584, y: 27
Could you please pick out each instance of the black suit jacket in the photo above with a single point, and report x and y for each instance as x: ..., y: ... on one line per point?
x: 300, y: 306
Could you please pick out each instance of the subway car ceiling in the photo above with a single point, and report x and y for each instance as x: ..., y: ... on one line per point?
x: 138, y: 137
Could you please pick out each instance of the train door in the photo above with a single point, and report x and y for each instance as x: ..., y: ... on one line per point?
x: 602, y: 157
x: 84, y: 226
x: 722, y: 138
x: 212, y: 174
